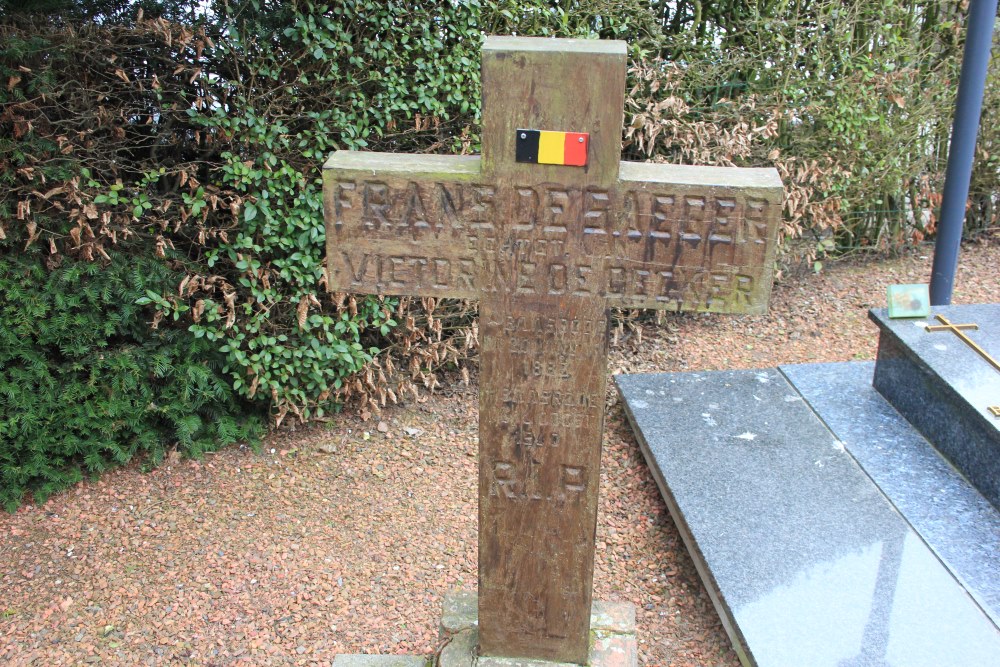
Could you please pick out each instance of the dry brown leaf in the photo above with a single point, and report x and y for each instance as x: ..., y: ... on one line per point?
x: 302, y: 311
x: 32, y: 234
x: 230, y: 301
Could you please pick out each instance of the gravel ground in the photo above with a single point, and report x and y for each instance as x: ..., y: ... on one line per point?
x: 344, y: 538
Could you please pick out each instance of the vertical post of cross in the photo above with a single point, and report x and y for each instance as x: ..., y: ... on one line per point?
x: 543, y: 371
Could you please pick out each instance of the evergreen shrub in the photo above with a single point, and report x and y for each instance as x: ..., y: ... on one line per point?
x: 85, y: 384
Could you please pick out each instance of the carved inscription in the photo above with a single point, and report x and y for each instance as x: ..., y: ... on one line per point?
x: 514, y: 484
x: 541, y: 417
x: 545, y: 260
x: 666, y: 248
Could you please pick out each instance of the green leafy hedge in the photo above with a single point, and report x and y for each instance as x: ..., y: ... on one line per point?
x: 85, y: 384
x: 190, y: 135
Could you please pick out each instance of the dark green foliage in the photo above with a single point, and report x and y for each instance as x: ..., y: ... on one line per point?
x: 85, y: 384
x: 102, y: 11
x: 193, y: 133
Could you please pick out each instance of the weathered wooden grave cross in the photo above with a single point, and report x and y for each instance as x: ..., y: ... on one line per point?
x: 547, y: 246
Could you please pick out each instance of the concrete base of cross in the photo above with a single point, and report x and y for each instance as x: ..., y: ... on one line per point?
x: 367, y: 660
x: 612, y: 640
x: 612, y: 636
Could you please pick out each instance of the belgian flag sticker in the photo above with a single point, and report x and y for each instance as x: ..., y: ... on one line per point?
x: 545, y: 147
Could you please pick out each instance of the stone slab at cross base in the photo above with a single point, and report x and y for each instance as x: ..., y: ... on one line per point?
x: 804, y: 557
x: 365, y: 660
x: 612, y: 636
x: 951, y: 516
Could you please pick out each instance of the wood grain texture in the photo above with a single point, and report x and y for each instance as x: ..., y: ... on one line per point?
x: 547, y: 249
x: 665, y: 237
x: 541, y: 407
x: 541, y: 416
x: 566, y: 85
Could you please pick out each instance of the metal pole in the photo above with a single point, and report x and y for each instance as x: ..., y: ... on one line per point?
x: 978, y: 40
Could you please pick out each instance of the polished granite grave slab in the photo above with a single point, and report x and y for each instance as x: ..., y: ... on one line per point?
x: 944, y: 388
x: 954, y: 519
x: 805, y: 559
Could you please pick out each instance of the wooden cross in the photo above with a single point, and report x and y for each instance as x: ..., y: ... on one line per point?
x: 547, y: 248
x: 958, y: 330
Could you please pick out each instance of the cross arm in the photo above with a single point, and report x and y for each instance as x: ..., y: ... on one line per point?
x: 690, y: 238
x: 404, y: 224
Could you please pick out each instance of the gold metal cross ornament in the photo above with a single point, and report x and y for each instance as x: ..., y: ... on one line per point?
x: 957, y: 329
